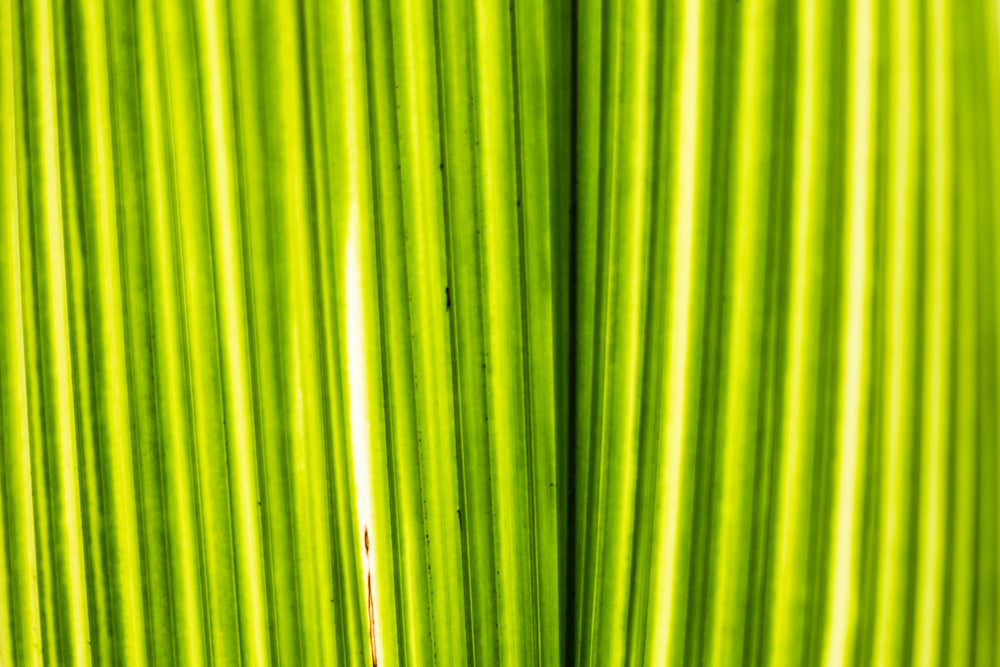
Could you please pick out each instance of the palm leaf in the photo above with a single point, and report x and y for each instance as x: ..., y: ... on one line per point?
x: 499, y: 332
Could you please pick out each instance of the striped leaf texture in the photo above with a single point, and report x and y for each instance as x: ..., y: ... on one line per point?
x: 279, y: 377
x: 786, y: 370
x: 520, y: 332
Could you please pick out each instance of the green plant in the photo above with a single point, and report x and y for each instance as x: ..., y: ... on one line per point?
x: 524, y: 332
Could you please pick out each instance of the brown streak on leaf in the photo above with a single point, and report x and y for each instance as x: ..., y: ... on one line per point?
x: 371, y: 605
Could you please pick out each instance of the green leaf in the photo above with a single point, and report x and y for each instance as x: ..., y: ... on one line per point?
x: 512, y: 332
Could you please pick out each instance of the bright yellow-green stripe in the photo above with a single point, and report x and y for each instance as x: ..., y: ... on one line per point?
x: 992, y: 46
x: 264, y: 211
x: 628, y: 232
x: 420, y: 159
x: 853, y: 440
x: 462, y: 222
x: 791, y: 610
x: 185, y: 574
x: 304, y: 399
x: 599, y: 450
x: 898, y: 438
x: 750, y: 194
x: 114, y: 396
x: 987, y: 41
x: 68, y: 576
x: 685, y: 255
x: 20, y: 634
x: 506, y: 408
x: 536, y: 73
x: 589, y: 121
x: 938, y: 323
x: 336, y: 474
x: 206, y: 451
x: 227, y: 248
x: 358, y: 309
x: 398, y: 588
x: 962, y: 584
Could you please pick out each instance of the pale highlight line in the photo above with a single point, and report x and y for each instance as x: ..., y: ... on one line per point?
x: 116, y: 400
x: 639, y: 225
x: 18, y: 398
x: 900, y: 265
x: 938, y: 319
x: 77, y: 605
x: 639, y: 213
x: 358, y: 395
x: 357, y: 336
x: 680, y: 305
x: 246, y: 527
x: 842, y: 588
x: 188, y: 643
x: 788, y: 594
